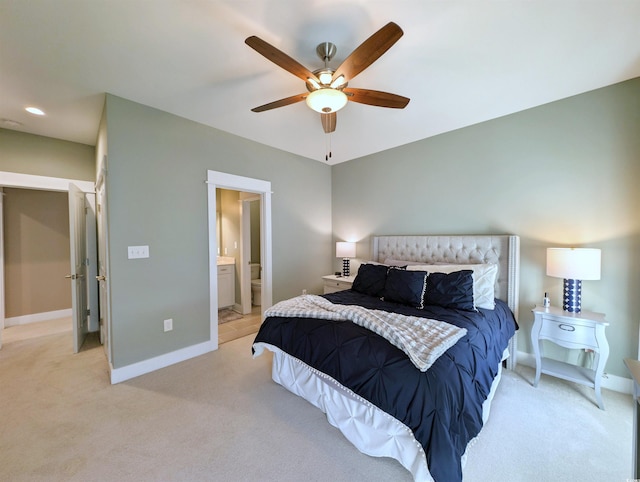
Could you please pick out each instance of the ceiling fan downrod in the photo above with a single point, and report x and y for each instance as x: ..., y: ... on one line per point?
x: 326, y: 51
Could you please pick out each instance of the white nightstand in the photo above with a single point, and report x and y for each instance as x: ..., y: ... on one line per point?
x: 583, y: 330
x: 333, y: 283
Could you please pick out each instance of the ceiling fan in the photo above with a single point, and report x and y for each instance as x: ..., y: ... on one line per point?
x: 327, y: 88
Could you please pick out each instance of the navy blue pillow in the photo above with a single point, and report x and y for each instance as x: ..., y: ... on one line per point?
x: 450, y: 290
x: 370, y: 279
x: 406, y: 287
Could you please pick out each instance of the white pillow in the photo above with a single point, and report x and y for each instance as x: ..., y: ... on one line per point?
x: 484, y: 279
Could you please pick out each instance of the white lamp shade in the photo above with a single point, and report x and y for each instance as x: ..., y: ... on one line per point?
x: 327, y: 100
x: 345, y: 249
x: 573, y: 263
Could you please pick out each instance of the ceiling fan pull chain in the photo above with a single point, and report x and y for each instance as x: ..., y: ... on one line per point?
x: 327, y: 145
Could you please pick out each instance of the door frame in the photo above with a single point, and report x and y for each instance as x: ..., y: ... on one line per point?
x: 30, y: 181
x: 222, y: 180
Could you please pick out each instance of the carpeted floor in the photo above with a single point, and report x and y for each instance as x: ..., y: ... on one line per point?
x: 219, y: 417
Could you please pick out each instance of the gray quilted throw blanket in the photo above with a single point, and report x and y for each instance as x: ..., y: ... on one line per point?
x: 422, y: 339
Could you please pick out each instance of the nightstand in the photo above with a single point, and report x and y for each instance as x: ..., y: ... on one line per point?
x: 333, y: 283
x: 583, y: 330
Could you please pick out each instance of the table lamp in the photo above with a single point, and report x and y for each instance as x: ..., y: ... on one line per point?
x: 345, y: 250
x: 574, y: 265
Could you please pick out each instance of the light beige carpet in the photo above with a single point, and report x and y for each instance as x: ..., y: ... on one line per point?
x: 219, y: 417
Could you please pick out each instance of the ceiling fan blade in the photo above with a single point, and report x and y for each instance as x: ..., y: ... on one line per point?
x: 376, y: 98
x: 369, y: 51
x: 279, y: 58
x: 280, y: 103
x: 329, y: 122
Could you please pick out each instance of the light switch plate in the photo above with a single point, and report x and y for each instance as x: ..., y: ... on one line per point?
x: 135, y: 252
x: 168, y: 324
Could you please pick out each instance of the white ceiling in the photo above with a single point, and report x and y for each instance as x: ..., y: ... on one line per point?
x: 460, y: 62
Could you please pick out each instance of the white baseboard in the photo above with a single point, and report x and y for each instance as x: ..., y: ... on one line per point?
x: 37, y: 317
x: 609, y: 381
x: 152, y: 364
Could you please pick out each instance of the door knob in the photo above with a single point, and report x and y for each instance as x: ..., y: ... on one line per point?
x: 71, y: 276
x: 100, y: 278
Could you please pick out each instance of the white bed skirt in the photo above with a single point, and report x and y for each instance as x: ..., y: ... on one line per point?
x: 371, y: 430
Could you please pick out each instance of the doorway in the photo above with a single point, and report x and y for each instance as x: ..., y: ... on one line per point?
x: 238, y: 220
x: 24, y: 181
x: 262, y: 190
x: 239, y: 281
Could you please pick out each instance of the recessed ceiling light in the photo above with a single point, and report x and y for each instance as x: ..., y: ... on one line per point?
x: 34, y: 110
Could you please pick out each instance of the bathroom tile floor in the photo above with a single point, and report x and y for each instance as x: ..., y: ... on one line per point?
x: 246, y: 325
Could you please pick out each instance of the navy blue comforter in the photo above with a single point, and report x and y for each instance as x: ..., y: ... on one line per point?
x: 442, y: 406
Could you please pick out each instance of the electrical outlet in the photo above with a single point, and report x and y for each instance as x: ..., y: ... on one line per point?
x: 168, y: 324
x: 304, y: 292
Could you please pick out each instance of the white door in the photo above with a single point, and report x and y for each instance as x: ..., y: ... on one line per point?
x: 78, y: 276
x: 103, y: 294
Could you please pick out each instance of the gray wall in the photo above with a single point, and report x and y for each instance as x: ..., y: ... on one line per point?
x: 44, y: 156
x: 563, y: 174
x: 157, y: 197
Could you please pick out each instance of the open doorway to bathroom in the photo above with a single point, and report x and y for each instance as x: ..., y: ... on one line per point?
x: 216, y: 224
x: 238, y: 223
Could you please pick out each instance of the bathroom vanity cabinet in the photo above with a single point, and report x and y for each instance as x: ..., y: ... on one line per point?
x: 226, y: 285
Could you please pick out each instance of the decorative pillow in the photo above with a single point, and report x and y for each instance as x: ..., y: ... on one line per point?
x: 484, y: 279
x: 370, y: 279
x: 450, y: 290
x: 405, y: 287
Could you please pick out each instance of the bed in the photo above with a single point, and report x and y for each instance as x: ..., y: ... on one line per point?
x: 423, y: 409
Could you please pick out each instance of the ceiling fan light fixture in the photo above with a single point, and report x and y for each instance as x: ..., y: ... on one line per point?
x: 314, y: 83
x: 326, y: 100
x: 325, y: 77
x: 338, y: 82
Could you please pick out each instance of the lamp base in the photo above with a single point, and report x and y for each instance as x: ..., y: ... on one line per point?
x: 345, y: 267
x: 572, y: 295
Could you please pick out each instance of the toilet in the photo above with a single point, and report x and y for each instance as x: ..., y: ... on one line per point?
x: 256, y: 285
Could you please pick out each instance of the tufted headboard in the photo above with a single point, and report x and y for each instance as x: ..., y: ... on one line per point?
x: 504, y: 250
